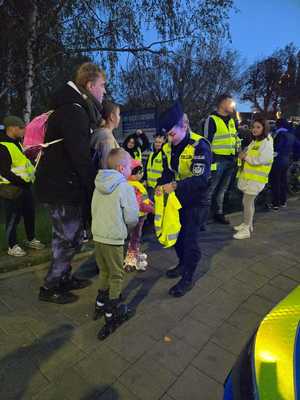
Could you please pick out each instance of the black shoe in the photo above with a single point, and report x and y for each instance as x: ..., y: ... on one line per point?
x: 72, y: 283
x: 174, y: 272
x: 275, y: 208
x: 220, y: 218
x: 181, y: 288
x: 100, y: 304
x: 56, y: 296
x: 114, y: 317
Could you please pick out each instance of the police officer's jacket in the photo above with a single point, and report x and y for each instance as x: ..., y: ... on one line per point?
x: 189, y: 164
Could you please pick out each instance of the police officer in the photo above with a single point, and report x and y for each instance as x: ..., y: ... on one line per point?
x: 186, y: 170
x: 221, y: 131
x: 154, y: 166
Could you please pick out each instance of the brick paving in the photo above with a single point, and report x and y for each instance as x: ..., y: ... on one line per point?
x: 173, y: 349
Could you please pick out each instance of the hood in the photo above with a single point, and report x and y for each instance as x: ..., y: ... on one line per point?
x: 68, y: 94
x: 107, y: 180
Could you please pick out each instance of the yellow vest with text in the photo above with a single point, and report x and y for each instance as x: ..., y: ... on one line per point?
x: 141, y: 188
x: 225, y: 141
x: 154, y: 169
x: 20, y: 165
x: 186, y: 157
x: 257, y: 173
x: 167, y: 221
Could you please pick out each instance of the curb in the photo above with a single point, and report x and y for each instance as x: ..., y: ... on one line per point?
x: 40, y: 267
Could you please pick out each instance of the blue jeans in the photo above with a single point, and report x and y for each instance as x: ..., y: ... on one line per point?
x: 220, y: 182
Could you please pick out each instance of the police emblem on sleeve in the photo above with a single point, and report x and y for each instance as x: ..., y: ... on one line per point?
x: 198, y: 169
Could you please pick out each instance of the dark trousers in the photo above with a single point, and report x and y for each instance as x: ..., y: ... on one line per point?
x: 187, y: 246
x: 67, y: 236
x: 278, y: 180
x: 220, y: 182
x: 23, y: 206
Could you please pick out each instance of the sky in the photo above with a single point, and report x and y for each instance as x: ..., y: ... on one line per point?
x: 263, y: 26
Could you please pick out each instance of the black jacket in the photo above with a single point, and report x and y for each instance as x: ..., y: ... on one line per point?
x: 5, y: 162
x: 65, y: 174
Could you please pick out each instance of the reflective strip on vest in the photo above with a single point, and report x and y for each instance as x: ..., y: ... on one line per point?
x: 20, y: 164
x: 154, y: 169
x: 277, y: 351
x: 225, y: 138
x: 185, y: 159
x: 137, y: 154
x: 167, y: 221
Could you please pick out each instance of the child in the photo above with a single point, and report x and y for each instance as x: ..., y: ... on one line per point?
x: 134, y: 259
x: 114, y: 211
x: 253, y: 176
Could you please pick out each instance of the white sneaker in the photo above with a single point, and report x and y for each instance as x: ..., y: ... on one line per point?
x: 143, y: 257
x: 243, y: 233
x: 141, y: 266
x: 34, y: 244
x: 241, y: 227
x: 16, y: 251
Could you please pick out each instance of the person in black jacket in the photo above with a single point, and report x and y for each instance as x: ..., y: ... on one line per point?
x: 65, y: 177
x: 136, y: 144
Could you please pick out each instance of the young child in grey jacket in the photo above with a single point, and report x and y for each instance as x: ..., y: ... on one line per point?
x: 115, y: 211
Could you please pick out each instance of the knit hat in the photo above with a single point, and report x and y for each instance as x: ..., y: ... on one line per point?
x: 13, y: 120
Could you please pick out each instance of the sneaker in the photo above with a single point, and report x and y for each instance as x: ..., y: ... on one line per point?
x: 143, y: 257
x: 16, y: 251
x: 56, y: 296
x: 141, y: 266
x: 85, y: 237
x: 284, y: 205
x: 275, y: 208
x: 243, y: 233
x: 242, y: 226
x: 34, y: 244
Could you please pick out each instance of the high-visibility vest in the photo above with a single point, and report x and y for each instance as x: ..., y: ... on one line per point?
x: 225, y: 141
x: 137, y: 154
x: 20, y: 164
x: 269, y: 367
x: 186, y: 157
x: 154, y: 169
x: 166, y: 220
x: 141, y: 188
x: 257, y: 173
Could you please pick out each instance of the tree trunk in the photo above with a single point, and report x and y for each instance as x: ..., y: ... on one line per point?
x: 29, y: 82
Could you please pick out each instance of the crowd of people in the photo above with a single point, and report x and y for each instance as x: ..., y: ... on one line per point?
x: 88, y: 181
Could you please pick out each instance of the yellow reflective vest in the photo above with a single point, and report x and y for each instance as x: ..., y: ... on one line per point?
x: 186, y: 157
x: 137, y: 154
x: 141, y: 188
x: 257, y: 173
x: 154, y: 169
x: 225, y: 141
x: 167, y: 221
x: 20, y: 164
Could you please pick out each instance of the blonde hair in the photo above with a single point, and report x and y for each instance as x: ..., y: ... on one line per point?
x: 88, y: 72
x: 117, y: 157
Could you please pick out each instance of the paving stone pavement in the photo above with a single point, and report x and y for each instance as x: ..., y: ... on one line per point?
x: 173, y: 349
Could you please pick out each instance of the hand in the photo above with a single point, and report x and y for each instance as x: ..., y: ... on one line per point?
x: 159, y: 191
x: 168, y: 188
x: 242, y: 155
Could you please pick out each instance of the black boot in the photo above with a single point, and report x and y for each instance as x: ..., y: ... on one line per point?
x: 181, y: 288
x: 56, y: 295
x: 175, y: 272
x: 220, y: 218
x: 114, y: 317
x: 101, y: 300
x: 69, y: 282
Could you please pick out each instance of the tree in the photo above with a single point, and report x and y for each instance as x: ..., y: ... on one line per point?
x: 270, y: 84
x: 42, y: 35
x: 195, y: 73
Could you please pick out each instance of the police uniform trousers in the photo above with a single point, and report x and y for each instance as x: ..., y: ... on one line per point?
x: 187, y: 246
x: 67, y: 237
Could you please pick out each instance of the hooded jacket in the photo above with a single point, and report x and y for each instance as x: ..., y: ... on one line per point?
x: 114, y: 208
x: 65, y: 174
